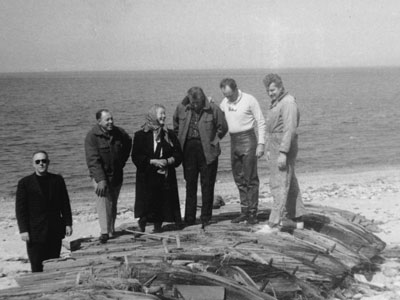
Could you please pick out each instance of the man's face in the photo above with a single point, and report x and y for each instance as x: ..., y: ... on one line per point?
x: 40, y: 163
x: 161, y: 116
x: 197, y: 104
x: 229, y: 93
x: 273, y: 91
x: 106, y: 121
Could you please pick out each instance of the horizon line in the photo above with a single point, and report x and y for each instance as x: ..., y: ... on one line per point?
x: 194, y: 70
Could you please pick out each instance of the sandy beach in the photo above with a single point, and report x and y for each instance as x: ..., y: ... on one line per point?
x: 372, y: 192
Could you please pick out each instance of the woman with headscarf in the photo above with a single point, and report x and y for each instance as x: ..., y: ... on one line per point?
x: 282, y: 121
x: 156, y: 153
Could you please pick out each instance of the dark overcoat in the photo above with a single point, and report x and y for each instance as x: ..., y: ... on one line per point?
x: 43, y: 219
x: 151, y: 193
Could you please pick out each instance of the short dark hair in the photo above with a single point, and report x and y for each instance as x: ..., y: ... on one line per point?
x: 40, y: 151
x: 197, y: 93
x: 228, y: 82
x: 100, y: 112
x: 273, y: 78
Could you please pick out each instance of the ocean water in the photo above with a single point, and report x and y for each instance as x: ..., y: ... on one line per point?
x: 349, y: 117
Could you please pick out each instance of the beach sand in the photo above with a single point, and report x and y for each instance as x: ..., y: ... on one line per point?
x: 373, y: 193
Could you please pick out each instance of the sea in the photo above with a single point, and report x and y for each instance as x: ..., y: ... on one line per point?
x: 349, y: 116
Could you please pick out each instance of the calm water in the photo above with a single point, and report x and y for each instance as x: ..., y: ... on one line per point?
x: 349, y: 117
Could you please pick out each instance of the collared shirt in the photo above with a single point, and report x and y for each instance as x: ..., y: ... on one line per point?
x: 244, y: 114
x: 193, y: 132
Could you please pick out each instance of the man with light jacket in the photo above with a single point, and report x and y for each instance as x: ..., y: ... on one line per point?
x: 199, y: 125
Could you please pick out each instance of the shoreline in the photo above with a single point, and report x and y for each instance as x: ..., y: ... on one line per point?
x: 225, y: 176
x: 371, y: 192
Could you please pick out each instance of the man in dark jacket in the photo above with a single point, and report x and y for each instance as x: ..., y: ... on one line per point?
x: 107, y: 149
x: 43, y: 212
x: 199, y: 125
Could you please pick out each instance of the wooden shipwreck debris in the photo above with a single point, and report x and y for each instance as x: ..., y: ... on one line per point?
x: 222, y: 261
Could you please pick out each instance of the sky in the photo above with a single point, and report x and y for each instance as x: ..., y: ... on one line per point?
x: 88, y: 35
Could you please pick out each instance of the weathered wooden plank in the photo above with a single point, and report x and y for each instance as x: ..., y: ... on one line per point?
x: 334, y: 247
x: 200, y: 292
x: 339, y: 216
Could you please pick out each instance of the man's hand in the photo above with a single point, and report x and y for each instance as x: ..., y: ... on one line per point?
x: 267, y: 155
x: 101, y: 188
x: 163, y: 163
x: 24, y: 236
x: 215, y: 142
x: 282, y: 161
x: 68, y: 230
x: 260, y: 150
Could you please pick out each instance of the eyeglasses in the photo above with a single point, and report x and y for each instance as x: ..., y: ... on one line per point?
x: 43, y: 161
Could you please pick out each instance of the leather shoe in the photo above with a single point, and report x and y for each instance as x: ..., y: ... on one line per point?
x: 241, y: 218
x: 103, y: 238
x: 142, y: 224
x: 252, y: 220
x: 189, y: 223
x: 157, y: 228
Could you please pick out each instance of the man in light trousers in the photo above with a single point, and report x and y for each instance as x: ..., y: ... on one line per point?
x: 107, y: 149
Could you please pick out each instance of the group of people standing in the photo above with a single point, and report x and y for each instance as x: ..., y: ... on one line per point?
x: 42, y: 204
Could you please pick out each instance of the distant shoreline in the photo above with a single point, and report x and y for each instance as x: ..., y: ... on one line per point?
x: 35, y: 73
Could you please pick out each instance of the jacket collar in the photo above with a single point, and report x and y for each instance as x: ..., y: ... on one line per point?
x: 98, y: 131
x: 275, y: 102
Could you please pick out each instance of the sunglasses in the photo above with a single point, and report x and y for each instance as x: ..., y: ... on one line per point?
x: 43, y: 161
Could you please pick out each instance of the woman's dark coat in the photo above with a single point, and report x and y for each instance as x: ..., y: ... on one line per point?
x: 152, y: 194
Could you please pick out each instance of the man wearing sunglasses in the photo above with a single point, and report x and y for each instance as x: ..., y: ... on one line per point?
x: 43, y: 212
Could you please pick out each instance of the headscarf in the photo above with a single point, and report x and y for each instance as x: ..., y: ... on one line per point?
x: 152, y: 124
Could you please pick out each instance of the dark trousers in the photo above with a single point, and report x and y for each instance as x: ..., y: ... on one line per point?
x: 39, y: 252
x: 244, y: 169
x: 194, y: 162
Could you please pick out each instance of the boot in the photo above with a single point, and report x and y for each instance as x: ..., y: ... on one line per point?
x: 157, y: 227
x: 103, y: 238
x: 142, y: 224
x: 252, y: 220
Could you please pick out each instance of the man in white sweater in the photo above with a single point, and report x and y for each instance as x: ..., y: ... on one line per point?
x: 247, y: 130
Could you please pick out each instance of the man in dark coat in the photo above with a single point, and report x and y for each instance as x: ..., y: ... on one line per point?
x: 107, y: 149
x: 199, y: 125
x: 43, y: 212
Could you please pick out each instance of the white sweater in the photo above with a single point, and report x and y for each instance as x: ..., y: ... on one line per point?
x: 243, y: 114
